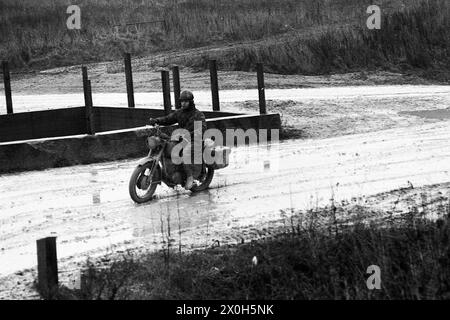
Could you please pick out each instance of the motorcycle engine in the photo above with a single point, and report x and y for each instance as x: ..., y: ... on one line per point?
x: 177, y: 177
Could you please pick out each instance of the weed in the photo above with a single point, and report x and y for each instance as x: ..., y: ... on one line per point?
x: 307, y: 263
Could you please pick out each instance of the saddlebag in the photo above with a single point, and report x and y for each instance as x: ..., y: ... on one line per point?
x: 221, y: 157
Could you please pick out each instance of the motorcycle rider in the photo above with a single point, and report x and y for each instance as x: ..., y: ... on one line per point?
x: 185, y: 117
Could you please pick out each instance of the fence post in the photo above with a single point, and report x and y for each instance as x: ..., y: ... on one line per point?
x: 87, y: 89
x: 214, y: 85
x: 89, y: 110
x: 165, y: 77
x: 7, y: 82
x: 47, y: 266
x: 176, y: 86
x: 261, y: 88
x: 129, y: 80
x: 85, y: 76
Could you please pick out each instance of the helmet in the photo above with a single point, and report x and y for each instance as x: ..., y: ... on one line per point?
x: 186, y: 96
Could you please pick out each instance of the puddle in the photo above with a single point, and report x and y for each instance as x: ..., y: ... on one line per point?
x: 440, y: 114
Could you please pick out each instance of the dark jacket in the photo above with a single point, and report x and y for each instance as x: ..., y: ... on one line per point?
x: 184, y: 118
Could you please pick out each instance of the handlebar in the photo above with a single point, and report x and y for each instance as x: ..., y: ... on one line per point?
x: 155, y: 126
x: 159, y: 133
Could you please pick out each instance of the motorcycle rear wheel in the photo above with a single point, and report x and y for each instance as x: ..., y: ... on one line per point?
x: 204, y: 181
x: 142, y: 172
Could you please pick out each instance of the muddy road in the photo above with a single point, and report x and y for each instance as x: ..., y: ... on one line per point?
x: 89, y: 210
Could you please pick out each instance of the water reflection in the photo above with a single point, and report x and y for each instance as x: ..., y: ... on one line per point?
x: 94, y: 174
x: 168, y: 217
x: 96, y: 197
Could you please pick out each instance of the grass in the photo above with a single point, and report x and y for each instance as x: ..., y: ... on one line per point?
x: 292, y: 36
x: 317, y: 257
x: 34, y: 33
x: 415, y: 39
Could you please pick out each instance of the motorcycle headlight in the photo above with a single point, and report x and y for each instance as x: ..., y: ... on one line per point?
x: 153, y: 142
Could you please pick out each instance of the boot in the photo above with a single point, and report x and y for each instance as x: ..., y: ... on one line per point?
x: 189, y: 182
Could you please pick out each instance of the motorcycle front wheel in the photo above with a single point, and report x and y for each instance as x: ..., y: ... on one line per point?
x: 143, y: 184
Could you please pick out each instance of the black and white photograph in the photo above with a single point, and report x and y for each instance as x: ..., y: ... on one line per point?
x: 236, y: 151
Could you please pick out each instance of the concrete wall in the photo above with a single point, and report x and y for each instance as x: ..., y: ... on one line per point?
x: 42, y: 124
x: 266, y: 121
x: 107, y: 118
x: 130, y: 143
x: 72, y: 121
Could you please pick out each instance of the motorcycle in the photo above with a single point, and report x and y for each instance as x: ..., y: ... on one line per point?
x: 157, y: 167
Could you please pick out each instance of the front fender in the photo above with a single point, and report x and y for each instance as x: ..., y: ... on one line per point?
x: 146, y: 160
